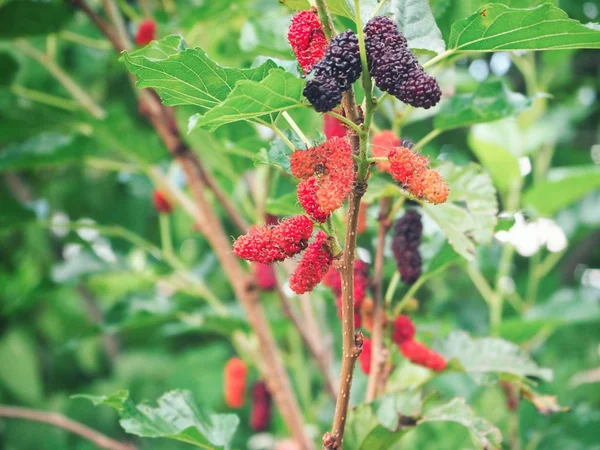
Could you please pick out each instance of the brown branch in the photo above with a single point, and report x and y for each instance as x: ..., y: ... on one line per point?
x: 244, y: 288
x: 58, y: 420
x: 377, y: 359
x: 104, y: 28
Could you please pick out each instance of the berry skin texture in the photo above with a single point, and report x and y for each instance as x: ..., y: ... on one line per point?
x: 270, y: 243
x: 323, y: 93
x: 332, y: 166
x: 435, y: 189
x: 235, y: 382
x: 146, y: 32
x: 381, y: 146
x: 422, y: 355
x: 307, y: 39
x: 161, y: 203
x: 264, y: 275
x: 404, y: 329
x: 405, y: 246
x: 333, y: 127
x: 394, y: 68
x: 313, y: 266
x: 307, y: 196
x: 260, y: 415
x: 365, y: 356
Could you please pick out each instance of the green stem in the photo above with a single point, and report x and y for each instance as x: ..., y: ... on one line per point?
x: 426, y: 139
x: 346, y: 122
x: 84, y: 40
x: 63, y: 78
x: 433, y: 61
x: 409, y: 294
x: 165, y: 234
x: 378, y: 8
x: 281, y: 135
x: 480, y: 283
x: 44, y: 98
x: 296, y: 128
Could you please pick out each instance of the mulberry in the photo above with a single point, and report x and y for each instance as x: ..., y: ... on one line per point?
x: 381, y: 146
x: 406, y: 164
x: 332, y: 166
x: 365, y: 356
x: 335, y: 73
x: 146, y: 32
x: 307, y: 39
x: 270, y: 243
x: 422, y: 355
x: 235, y: 382
x: 405, y: 246
x: 332, y: 127
x: 394, y: 68
x: 260, y: 415
x: 333, y: 280
x: 404, y: 329
x: 264, y: 274
x: 435, y: 189
x: 313, y: 266
x: 161, y: 203
x: 307, y: 196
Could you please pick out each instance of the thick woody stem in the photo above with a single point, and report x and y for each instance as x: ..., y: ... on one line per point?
x: 377, y: 360
x: 58, y: 420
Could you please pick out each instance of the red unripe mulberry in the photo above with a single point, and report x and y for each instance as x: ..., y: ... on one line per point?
x: 313, y: 266
x: 146, y: 32
x: 307, y: 39
x: 161, y: 203
x: 235, y: 382
x: 381, y: 146
x: 404, y: 329
x: 307, y: 196
x: 422, y: 355
x: 260, y: 415
x: 365, y: 356
x: 333, y: 127
x: 265, y: 277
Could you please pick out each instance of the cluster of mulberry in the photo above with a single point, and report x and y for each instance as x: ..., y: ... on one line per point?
x: 403, y: 330
x: 422, y: 355
x: 335, y: 73
x: 331, y: 166
x: 271, y: 243
x: 412, y: 171
x: 235, y: 382
x: 313, y: 266
x: 394, y: 68
x: 333, y: 280
x: 405, y: 246
x: 264, y: 275
x: 161, y: 204
x: 307, y: 39
x: 307, y: 196
x: 260, y: 415
x: 381, y: 146
x: 146, y: 32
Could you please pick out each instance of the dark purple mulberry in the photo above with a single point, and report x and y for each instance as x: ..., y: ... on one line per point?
x: 335, y: 73
x: 394, y: 68
x: 323, y: 93
x: 405, y: 246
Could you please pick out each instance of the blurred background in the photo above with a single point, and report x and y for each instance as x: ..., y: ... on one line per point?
x: 86, y: 306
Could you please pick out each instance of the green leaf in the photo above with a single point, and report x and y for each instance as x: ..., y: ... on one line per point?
x: 381, y: 188
x: 186, y: 76
x: 277, y: 155
x: 457, y: 411
x: 46, y: 149
x: 491, y: 101
x: 469, y: 215
x: 481, y: 357
x: 339, y: 7
x: 176, y: 417
x: 498, y: 155
x: 562, y: 187
x: 286, y: 205
x: 33, y: 18
x: 251, y: 100
x: 10, y: 67
x: 496, y: 27
x: 20, y: 372
x: 415, y: 19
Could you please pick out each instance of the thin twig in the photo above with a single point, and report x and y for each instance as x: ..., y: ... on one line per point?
x: 58, y: 420
x: 377, y: 360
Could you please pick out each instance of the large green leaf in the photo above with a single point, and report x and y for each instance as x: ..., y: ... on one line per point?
x: 415, y: 20
x: 249, y: 100
x: 339, y: 7
x: 469, y: 215
x: 491, y: 101
x: 496, y: 27
x: 46, y: 149
x: 20, y: 373
x: 482, y: 357
x: 496, y: 148
x: 186, y: 76
x: 176, y: 417
x: 457, y: 411
x: 562, y: 187
x: 31, y: 18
